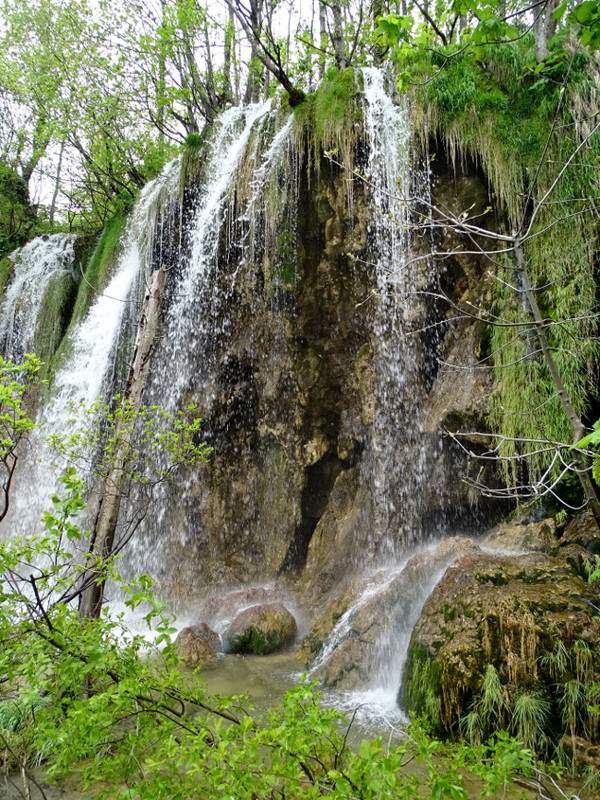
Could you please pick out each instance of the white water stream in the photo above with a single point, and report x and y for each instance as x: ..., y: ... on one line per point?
x: 35, y: 265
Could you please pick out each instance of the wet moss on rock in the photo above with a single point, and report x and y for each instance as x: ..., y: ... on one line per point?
x: 521, y: 631
x: 328, y: 119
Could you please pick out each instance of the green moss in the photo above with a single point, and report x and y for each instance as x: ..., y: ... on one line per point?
x: 6, y: 267
x: 193, y: 140
x: 194, y: 157
x: 54, y: 317
x: 254, y: 641
x: 285, y: 275
x: 100, y: 267
x: 497, y: 579
x: 326, y: 121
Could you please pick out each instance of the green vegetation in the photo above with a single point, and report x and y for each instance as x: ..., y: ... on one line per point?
x: 194, y: 140
x: 521, y: 122
x: 86, y: 695
x: 325, y: 121
x: 100, y: 267
x: 560, y: 700
x: 56, y: 307
x: 515, y: 113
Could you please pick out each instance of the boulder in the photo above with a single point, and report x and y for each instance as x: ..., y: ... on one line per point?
x: 529, y: 618
x: 220, y: 610
x: 196, y: 645
x: 582, y: 755
x: 261, y: 629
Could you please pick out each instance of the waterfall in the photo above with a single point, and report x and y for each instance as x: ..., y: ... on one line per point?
x: 91, y: 345
x: 366, y: 650
x: 193, y: 304
x: 35, y: 266
x: 396, y: 469
x: 286, y: 319
x: 88, y: 373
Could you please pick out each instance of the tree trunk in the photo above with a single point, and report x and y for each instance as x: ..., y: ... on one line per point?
x: 103, y: 534
x: 544, y: 27
x: 337, y: 36
x: 324, y: 40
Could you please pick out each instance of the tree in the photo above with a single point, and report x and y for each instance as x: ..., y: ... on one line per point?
x: 15, y: 424
x: 256, y: 20
x: 111, y: 440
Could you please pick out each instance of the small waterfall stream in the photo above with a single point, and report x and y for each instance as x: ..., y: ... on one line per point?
x: 398, y: 362
x: 35, y: 266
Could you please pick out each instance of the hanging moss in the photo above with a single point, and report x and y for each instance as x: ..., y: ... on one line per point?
x: 327, y: 120
x: 496, y: 110
x: 421, y: 688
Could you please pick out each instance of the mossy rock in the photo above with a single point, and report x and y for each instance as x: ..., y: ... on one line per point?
x: 262, y: 629
x: 512, y: 614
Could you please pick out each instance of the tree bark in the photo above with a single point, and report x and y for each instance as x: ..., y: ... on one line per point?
x: 108, y: 514
x: 337, y: 36
x: 544, y: 28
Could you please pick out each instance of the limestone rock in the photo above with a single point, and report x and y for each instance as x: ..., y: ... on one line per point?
x: 584, y: 531
x: 261, y: 629
x: 528, y: 617
x: 196, y: 645
x: 539, y: 536
x: 349, y: 666
x: 581, y: 753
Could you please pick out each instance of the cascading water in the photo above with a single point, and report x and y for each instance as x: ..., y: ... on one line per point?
x: 35, y: 266
x: 365, y: 652
x: 299, y: 359
x: 89, y: 366
x: 245, y: 152
x: 192, y: 305
x: 92, y: 346
x: 398, y: 361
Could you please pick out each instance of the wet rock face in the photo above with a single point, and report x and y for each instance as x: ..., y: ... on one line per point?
x: 367, y: 630
x: 528, y: 617
x: 261, y: 629
x: 290, y: 391
x: 540, y: 536
x: 279, y: 394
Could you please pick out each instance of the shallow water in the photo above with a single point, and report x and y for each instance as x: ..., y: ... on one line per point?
x: 265, y: 680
